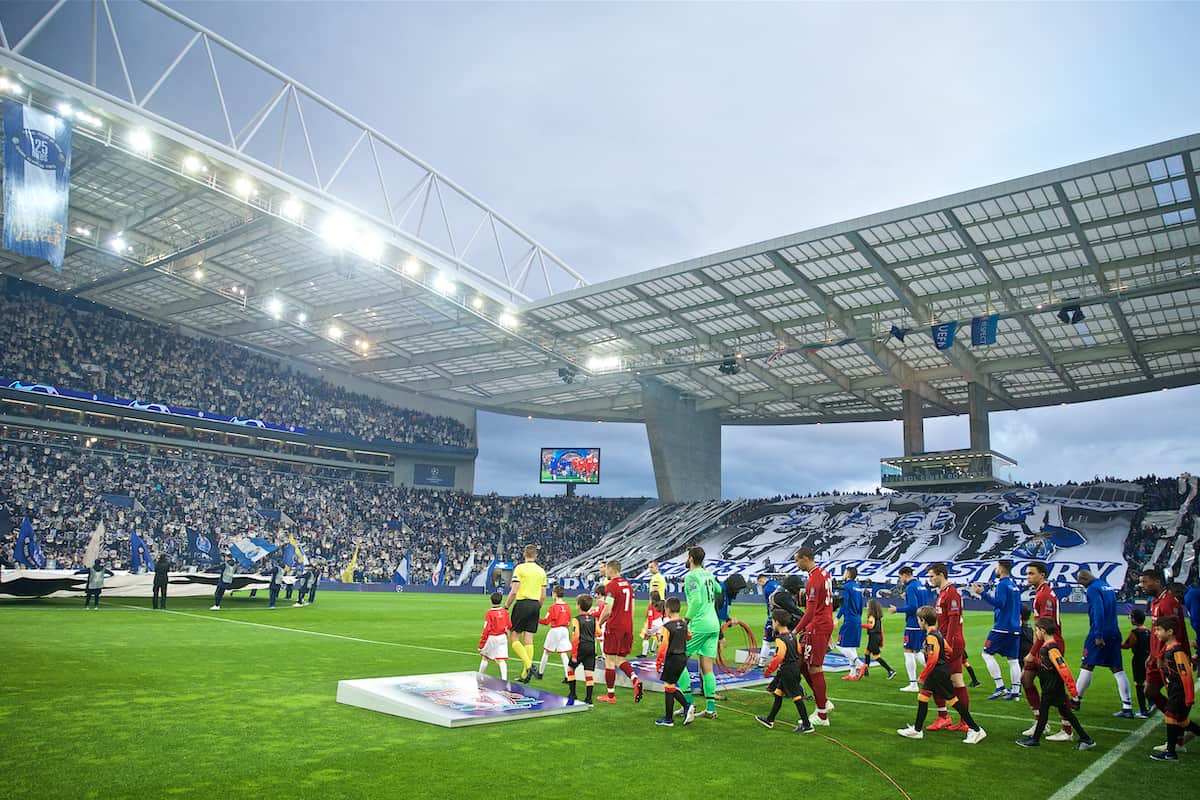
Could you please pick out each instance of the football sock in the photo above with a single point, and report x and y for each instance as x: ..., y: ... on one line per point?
x: 965, y: 714
x: 1042, y: 719
x: 670, y: 701
x: 685, y: 681
x: 571, y: 688
x: 817, y: 679
x: 1031, y: 692
x: 775, y: 706
x: 545, y: 659
x: 971, y: 673
x: 993, y: 668
x: 1173, y: 734
x: 867, y: 660
x: 921, y: 659
x: 922, y: 711
x: 800, y: 708
x: 1123, y: 689
x: 610, y: 679
x: 519, y: 648
x: 964, y: 700
x: 1155, y: 695
x: 503, y: 670
x: 1014, y: 673
x: 709, y: 683
x: 627, y: 668
x: 941, y: 709
x: 1083, y: 681
x: 589, y: 685
x: 910, y: 666
x: 1141, y: 696
x: 1070, y: 720
x: 764, y: 652
x: 483, y: 665
x: 883, y: 664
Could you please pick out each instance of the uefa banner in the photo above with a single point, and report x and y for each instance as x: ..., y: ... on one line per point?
x: 37, y: 174
x: 879, y: 534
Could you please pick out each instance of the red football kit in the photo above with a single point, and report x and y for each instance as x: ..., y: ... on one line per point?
x: 557, y: 616
x: 950, y: 625
x: 618, y: 630
x: 495, y: 623
x: 1045, y: 605
x: 817, y: 622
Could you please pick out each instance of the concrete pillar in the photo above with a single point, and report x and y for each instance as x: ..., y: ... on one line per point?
x: 914, y: 423
x: 685, y: 445
x: 981, y: 432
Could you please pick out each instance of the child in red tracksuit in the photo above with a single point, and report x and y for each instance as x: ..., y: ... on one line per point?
x: 493, y: 642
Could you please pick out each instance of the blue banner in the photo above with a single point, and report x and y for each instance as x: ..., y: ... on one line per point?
x: 943, y: 335
x: 37, y: 182
x: 438, y: 578
x: 29, y: 550
x: 433, y: 475
x: 250, y: 550
x: 202, y: 549
x: 400, y: 573
x: 983, y: 329
x: 140, y: 559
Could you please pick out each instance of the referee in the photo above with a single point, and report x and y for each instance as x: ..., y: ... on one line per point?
x: 526, y: 596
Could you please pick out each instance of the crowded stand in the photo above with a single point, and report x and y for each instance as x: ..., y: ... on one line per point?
x: 67, y: 489
x: 56, y: 340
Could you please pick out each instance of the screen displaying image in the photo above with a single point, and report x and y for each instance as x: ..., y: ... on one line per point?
x: 570, y: 465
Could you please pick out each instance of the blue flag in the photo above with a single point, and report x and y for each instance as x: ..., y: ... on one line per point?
x: 140, y: 559
x: 29, y: 550
x: 249, y: 550
x: 202, y: 550
x: 943, y: 335
x: 400, y: 573
x: 439, y: 572
x: 37, y: 180
x: 983, y: 329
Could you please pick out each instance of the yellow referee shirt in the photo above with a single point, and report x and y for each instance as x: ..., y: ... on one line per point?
x: 532, y: 580
x: 658, y: 583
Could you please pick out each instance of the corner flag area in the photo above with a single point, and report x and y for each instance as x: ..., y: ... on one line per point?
x: 171, y: 703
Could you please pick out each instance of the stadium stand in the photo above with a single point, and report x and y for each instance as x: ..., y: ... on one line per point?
x: 54, y: 339
x: 61, y: 483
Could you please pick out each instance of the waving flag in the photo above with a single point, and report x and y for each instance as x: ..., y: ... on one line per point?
x: 292, y: 554
x: 28, y: 551
x: 400, y: 573
x: 249, y: 550
x: 439, y: 572
x: 140, y: 559
x: 465, y: 575
x: 37, y: 182
x: 348, y: 572
x: 92, y: 551
x: 984, y: 329
x: 943, y: 335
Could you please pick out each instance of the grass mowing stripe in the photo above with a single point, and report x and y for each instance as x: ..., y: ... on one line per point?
x: 1085, y: 778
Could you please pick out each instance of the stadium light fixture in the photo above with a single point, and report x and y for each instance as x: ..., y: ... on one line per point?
x: 10, y: 86
x: 291, y: 209
x: 369, y: 247
x: 477, y: 303
x: 301, y: 317
x: 335, y: 332
x: 275, y: 307
x: 509, y: 320
x: 198, y: 274
x: 337, y: 230
x: 91, y: 120
x: 603, y: 363
x: 141, y: 142
x: 192, y: 165
x: 65, y: 110
x: 412, y: 267
x: 244, y: 187
x: 83, y: 230
x: 118, y: 244
x: 444, y: 284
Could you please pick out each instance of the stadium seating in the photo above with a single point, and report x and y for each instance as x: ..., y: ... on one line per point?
x: 53, y: 339
x: 60, y: 485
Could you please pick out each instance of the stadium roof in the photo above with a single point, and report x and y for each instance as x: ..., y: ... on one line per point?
x: 174, y: 224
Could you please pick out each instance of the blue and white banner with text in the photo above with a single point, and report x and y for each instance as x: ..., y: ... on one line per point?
x: 37, y: 177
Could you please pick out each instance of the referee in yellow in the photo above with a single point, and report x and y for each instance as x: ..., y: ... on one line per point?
x: 526, y: 596
x: 658, y: 583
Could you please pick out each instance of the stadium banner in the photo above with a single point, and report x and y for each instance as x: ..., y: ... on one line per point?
x: 68, y: 583
x: 878, y: 534
x: 28, y: 550
x: 433, y: 475
x: 202, y: 550
x: 249, y: 550
x: 37, y: 182
x: 140, y: 559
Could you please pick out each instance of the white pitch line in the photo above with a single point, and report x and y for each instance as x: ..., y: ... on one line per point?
x: 974, y: 713
x: 1085, y: 778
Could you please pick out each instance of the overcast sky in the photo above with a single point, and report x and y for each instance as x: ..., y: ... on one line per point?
x: 625, y: 137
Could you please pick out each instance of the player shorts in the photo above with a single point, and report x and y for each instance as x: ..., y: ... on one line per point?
x: 558, y: 640
x: 496, y: 648
x: 769, y: 632
x: 586, y: 658
x: 914, y: 639
x: 874, y: 642
x: 1176, y: 712
x: 787, y: 682
x: 618, y: 643
x: 1154, y: 672
x: 673, y: 667
x: 1002, y: 643
x: 938, y: 684
x: 954, y: 662
x: 1138, y: 666
x: 850, y: 634
x: 703, y: 644
x: 1108, y: 655
x: 816, y: 645
x: 525, y: 615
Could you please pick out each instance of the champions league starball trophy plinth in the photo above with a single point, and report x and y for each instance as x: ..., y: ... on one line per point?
x: 454, y: 699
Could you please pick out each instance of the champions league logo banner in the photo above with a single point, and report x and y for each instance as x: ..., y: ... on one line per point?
x: 37, y: 172
x: 880, y: 534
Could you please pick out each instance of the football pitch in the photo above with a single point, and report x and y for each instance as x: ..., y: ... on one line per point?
x: 132, y: 703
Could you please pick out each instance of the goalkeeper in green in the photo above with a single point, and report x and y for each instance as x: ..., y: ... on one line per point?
x: 700, y: 589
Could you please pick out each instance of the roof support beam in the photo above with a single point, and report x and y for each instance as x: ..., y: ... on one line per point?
x: 422, y: 359
x: 1090, y: 255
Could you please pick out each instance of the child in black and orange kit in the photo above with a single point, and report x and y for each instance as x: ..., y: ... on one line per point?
x: 1138, y: 641
x: 583, y: 648
x: 1057, y: 683
x: 936, y: 683
x: 672, y: 665
x: 786, y: 665
x: 1176, y: 666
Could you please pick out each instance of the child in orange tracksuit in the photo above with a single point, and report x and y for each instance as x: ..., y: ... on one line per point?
x: 1176, y: 667
x: 558, y: 640
x: 493, y: 642
x: 1058, y: 685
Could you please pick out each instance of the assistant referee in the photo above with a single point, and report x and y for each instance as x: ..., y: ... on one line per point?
x: 526, y: 596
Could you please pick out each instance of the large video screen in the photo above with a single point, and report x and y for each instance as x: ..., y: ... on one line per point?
x: 570, y: 465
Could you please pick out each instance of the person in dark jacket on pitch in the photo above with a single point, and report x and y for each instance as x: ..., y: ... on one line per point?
x: 161, y: 567
x: 301, y: 586
x: 314, y: 577
x: 223, y: 582
x: 95, y: 582
x: 276, y: 573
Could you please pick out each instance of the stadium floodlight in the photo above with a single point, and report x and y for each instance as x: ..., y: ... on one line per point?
x: 412, y: 267
x: 10, y: 86
x: 444, y: 284
x: 198, y: 274
x: 370, y: 247
x: 291, y: 209
x: 65, y: 110
x: 477, y: 302
x: 140, y: 141
x: 118, y: 244
x: 90, y: 120
x: 301, y: 317
x: 603, y: 363
x: 509, y: 320
x: 335, y: 332
x: 191, y: 164
x: 83, y: 230
x: 244, y: 187
x: 337, y: 230
x: 275, y: 307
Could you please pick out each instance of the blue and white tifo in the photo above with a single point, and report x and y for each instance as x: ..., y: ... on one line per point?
x: 454, y: 699
x: 37, y: 173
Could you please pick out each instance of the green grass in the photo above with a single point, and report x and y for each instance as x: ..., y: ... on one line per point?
x: 129, y: 703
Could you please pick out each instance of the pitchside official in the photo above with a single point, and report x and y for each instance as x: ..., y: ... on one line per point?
x: 525, y: 598
x: 161, y: 567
